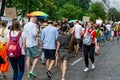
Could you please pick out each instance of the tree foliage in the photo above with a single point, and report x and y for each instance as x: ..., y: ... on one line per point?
x: 70, y: 12
x: 49, y: 7
x: 113, y: 15
x: 24, y: 6
x: 98, y: 10
x: 56, y: 9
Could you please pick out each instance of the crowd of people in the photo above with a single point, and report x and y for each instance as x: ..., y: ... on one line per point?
x: 51, y: 41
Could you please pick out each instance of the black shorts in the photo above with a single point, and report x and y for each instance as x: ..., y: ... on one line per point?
x: 76, y: 41
x: 49, y: 54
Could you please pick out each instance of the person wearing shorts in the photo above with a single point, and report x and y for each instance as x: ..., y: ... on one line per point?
x: 31, y: 33
x: 48, y: 37
x: 63, y: 49
x: 78, y: 34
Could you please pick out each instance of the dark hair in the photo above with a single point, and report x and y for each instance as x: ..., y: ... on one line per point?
x: 63, y: 27
x: 4, y: 23
x: 15, y: 25
x: 50, y: 22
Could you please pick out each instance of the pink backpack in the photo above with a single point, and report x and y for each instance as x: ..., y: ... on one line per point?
x: 14, y: 49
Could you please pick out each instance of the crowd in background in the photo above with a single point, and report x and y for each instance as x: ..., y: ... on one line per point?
x: 52, y: 41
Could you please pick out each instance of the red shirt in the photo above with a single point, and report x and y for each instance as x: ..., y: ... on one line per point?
x: 93, y: 34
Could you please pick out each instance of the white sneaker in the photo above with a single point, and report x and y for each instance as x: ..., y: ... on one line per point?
x: 86, y: 69
x: 63, y: 79
x: 93, y: 66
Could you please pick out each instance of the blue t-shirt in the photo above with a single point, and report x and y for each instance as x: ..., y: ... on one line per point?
x: 49, y: 36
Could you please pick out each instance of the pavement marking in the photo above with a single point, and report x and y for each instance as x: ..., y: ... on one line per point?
x: 78, y: 60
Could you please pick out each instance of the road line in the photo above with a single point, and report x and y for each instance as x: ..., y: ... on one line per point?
x: 78, y: 60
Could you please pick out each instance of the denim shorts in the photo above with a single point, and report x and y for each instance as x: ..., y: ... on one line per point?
x: 99, y: 39
x: 33, y: 51
x: 49, y: 53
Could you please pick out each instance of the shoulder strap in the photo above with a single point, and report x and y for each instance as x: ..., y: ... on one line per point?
x: 19, y: 34
x: 10, y: 35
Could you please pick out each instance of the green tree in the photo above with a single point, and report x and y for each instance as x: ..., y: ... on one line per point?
x: 24, y: 6
x: 92, y: 16
x: 50, y: 8
x: 113, y: 14
x: 84, y: 4
x: 98, y: 10
x: 70, y: 11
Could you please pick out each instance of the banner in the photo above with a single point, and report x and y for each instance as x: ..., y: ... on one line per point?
x: 86, y: 19
x: 98, y: 21
x: 10, y: 12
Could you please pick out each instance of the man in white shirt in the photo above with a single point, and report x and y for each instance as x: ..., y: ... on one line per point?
x: 78, y: 33
x: 30, y: 30
x: 108, y: 29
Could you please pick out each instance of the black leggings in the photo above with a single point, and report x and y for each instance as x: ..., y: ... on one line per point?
x: 89, y: 52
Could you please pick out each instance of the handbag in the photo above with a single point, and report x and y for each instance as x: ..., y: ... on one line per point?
x: 1, y: 60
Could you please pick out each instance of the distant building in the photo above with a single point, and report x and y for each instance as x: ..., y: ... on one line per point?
x: 107, y: 4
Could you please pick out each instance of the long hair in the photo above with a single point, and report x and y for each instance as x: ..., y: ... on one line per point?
x: 4, y: 23
x: 15, y: 26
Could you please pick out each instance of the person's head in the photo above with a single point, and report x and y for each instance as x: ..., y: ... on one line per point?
x: 15, y: 26
x: 77, y: 22
x: 44, y: 24
x: 55, y: 23
x: 63, y: 20
x: 89, y: 25
x: 4, y: 23
x: 50, y: 22
x: 33, y: 19
x: 63, y: 28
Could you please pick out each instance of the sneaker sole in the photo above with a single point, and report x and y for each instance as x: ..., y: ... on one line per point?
x: 32, y: 75
x: 49, y: 75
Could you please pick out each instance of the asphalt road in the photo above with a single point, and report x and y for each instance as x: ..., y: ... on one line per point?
x: 107, y: 66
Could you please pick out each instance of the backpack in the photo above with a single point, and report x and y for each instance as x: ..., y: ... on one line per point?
x: 87, y: 40
x: 14, y: 49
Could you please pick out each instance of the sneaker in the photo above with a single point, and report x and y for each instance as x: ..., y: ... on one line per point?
x: 28, y: 75
x: 93, y: 66
x: 63, y: 79
x: 86, y: 69
x: 32, y: 73
x: 48, y: 74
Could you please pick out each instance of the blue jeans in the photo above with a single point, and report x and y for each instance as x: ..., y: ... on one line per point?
x: 18, y: 66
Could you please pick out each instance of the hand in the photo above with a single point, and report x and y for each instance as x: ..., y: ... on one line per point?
x: 56, y: 54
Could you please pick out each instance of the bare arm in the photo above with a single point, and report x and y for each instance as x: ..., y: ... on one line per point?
x: 58, y: 46
x: 24, y: 44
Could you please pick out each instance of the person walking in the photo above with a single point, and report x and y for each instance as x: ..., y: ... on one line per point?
x: 63, y: 48
x: 3, y: 47
x: 78, y: 34
x: 17, y: 63
x: 48, y: 37
x: 118, y: 33
x: 31, y: 33
x: 90, y: 42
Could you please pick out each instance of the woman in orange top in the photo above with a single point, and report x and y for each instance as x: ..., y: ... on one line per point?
x: 3, y: 43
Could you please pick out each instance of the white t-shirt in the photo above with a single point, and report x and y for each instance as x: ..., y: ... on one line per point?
x: 30, y: 30
x: 20, y: 40
x: 78, y: 29
x: 108, y: 26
